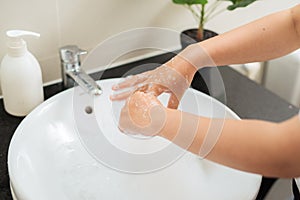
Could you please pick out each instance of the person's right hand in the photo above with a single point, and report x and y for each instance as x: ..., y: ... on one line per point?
x: 169, y: 78
x: 142, y: 114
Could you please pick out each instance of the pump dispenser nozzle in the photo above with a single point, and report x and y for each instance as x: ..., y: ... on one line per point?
x: 16, y: 45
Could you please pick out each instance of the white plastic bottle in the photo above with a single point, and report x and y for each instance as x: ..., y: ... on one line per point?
x: 20, y: 76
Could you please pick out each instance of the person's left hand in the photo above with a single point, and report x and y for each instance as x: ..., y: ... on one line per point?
x: 169, y: 78
x: 142, y: 114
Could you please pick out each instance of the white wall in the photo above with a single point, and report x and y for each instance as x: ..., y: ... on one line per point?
x: 283, y: 77
x: 88, y: 22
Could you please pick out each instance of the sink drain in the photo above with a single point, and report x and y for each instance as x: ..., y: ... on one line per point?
x: 88, y: 110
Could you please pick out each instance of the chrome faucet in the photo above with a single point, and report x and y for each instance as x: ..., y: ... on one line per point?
x: 72, y: 71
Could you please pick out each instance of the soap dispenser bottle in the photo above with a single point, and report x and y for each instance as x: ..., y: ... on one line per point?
x: 20, y: 76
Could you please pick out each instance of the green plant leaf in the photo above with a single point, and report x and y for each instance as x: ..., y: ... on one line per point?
x: 190, y: 2
x: 239, y: 3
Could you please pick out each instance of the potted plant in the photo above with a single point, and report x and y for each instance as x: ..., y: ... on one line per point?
x: 203, y: 12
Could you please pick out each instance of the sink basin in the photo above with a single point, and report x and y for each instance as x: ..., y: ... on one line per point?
x: 70, y: 148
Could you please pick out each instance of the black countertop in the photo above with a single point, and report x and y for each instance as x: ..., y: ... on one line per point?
x: 245, y: 97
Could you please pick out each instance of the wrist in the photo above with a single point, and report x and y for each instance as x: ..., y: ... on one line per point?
x: 183, y: 129
x: 197, y: 56
x: 183, y: 67
x: 171, y: 124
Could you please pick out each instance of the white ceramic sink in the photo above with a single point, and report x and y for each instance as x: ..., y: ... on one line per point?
x: 54, y: 155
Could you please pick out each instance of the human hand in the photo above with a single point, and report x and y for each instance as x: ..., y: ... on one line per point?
x: 142, y: 114
x: 168, y: 78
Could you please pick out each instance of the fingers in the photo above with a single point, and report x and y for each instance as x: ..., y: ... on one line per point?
x: 121, y: 96
x: 161, y: 80
x: 153, y: 89
x: 141, y: 115
x: 173, y: 101
x: 124, y: 120
x: 130, y: 81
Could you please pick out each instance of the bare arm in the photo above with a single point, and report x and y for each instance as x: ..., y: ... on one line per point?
x: 255, y: 146
x: 251, y: 145
x: 269, y: 37
x: 267, y: 148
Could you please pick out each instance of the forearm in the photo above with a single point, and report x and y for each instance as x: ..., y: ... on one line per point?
x: 267, y: 38
x: 249, y: 145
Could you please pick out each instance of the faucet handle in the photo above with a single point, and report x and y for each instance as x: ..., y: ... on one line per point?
x: 71, y: 54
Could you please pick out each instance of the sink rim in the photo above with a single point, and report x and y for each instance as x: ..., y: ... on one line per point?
x: 53, y: 99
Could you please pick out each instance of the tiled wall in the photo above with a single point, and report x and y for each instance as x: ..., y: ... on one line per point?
x: 88, y: 22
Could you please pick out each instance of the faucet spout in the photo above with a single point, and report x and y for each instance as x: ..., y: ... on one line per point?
x: 72, y: 71
x: 85, y: 81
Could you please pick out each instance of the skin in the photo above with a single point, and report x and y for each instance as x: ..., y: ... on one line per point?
x: 261, y: 147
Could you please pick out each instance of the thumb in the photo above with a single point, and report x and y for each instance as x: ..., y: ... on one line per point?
x: 173, y: 101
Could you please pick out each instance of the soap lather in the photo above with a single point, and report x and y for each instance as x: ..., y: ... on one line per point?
x: 20, y: 75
